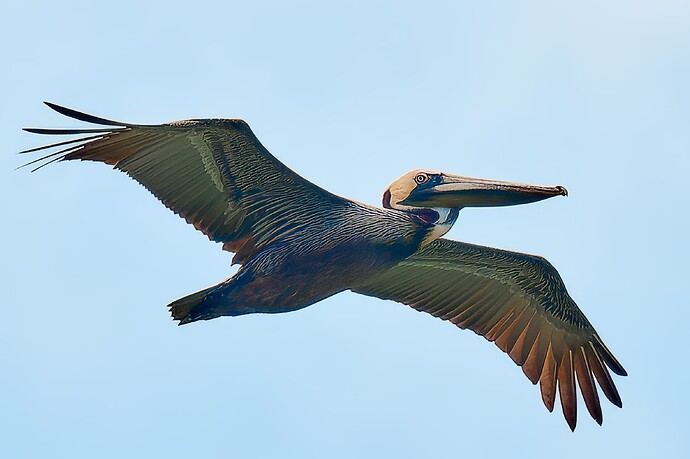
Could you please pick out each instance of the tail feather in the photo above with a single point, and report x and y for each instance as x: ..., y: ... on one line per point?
x: 188, y: 309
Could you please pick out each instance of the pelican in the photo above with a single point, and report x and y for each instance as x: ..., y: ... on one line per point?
x: 298, y: 244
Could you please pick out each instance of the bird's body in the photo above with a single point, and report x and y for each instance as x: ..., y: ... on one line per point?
x: 311, y: 265
x: 298, y: 244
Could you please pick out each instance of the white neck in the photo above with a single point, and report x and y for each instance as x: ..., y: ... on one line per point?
x: 446, y: 219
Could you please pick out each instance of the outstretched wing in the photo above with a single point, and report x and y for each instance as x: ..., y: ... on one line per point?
x: 517, y: 301
x: 214, y: 173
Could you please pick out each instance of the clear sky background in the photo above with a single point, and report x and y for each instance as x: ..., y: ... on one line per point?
x: 591, y: 95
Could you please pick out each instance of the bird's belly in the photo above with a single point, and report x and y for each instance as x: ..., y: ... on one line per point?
x: 305, y: 279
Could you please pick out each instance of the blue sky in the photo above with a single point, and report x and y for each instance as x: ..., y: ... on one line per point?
x: 351, y: 95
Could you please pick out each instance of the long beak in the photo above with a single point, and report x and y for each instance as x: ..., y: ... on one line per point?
x: 456, y: 191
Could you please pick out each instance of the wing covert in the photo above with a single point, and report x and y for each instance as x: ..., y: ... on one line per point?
x: 214, y: 173
x: 520, y: 303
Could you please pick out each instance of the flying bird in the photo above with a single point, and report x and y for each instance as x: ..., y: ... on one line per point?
x: 298, y: 244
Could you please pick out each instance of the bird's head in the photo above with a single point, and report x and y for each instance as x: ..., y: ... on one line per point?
x: 437, y: 197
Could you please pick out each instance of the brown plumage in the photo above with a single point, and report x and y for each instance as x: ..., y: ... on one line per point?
x: 298, y: 244
x: 517, y: 301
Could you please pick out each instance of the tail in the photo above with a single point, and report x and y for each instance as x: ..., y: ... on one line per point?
x: 192, y: 308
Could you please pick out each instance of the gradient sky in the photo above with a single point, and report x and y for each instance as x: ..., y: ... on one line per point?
x: 591, y: 95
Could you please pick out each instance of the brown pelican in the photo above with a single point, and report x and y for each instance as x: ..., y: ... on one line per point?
x: 298, y: 244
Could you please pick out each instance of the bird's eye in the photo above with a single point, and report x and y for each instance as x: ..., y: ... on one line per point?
x: 421, y: 178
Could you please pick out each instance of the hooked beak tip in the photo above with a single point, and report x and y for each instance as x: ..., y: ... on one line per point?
x: 563, y: 190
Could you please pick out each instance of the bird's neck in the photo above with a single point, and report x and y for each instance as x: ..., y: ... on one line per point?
x: 445, y: 218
